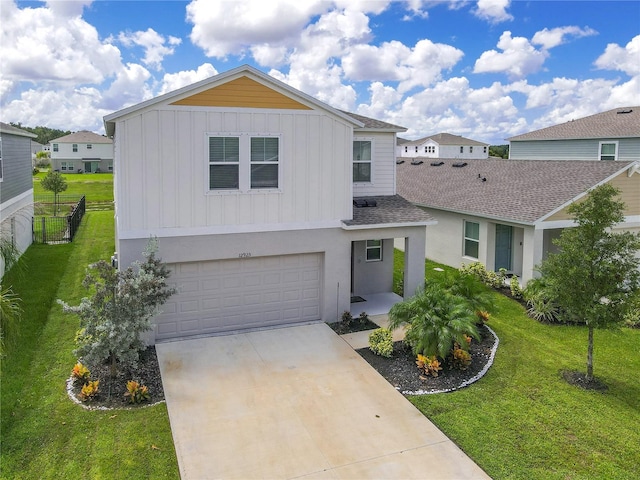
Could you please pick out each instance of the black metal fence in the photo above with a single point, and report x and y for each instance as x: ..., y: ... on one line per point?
x: 58, y: 229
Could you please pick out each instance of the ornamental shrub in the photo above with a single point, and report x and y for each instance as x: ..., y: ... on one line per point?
x: 381, y: 342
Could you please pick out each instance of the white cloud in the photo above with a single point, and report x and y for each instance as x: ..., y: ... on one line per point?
x: 129, y: 87
x: 68, y: 8
x: 517, y: 59
x: 154, y: 45
x: 557, y: 36
x: 174, y: 81
x: 625, y: 59
x: 494, y: 11
x: 223, y: 28
x: 32, y: 42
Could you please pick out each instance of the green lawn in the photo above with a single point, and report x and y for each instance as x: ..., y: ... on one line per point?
x: 98, y: 187
x: 522, y: 420
x: 45, y: 435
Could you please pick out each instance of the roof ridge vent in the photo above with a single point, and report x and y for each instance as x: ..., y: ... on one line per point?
x: 437, y: 164
x: 416, y: 162
x: 459, y: 164
x: 399, y: 162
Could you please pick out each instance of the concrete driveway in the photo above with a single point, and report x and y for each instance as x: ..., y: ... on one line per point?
x: 295, y: 402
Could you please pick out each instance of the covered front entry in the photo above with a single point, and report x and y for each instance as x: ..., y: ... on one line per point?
x: 234, y: 294
x: 504, y: 247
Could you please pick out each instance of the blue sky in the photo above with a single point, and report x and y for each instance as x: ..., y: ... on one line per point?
x: 486, y: 69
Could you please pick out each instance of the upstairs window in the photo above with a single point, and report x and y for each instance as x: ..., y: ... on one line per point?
x: 362, y: 161
x: 74, y: 147
x: 608, y: 150
x: 471, y: 239
x: 484, y: 149
x: 55, y: 147
x: 244, y: 162
x: 264, y: 162
x: 224, y: 163
x: 406, y: 149
x: 461, y: 149
x: 470, y: 149
x: 89, y: 146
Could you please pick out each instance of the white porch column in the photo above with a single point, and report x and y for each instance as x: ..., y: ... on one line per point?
x: 414, y: 256
x: 532, y: 250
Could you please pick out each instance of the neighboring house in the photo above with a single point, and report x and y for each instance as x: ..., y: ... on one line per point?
x: 35, y: 148
x: 442, y: 145
x: 16, y: 187
x: 505, y: 214
x: 250, y: 187
x: 611, y: 135
x: 82, y: 151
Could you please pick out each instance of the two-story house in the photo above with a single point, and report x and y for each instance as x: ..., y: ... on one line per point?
x: 16, y: 187
x: 270, y: 206
x: 82, y: 151
x: 610, y: 135
x: 442, y: 145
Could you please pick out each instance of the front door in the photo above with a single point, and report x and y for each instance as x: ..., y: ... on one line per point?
x: 504, y: 239
x: 87, y: 167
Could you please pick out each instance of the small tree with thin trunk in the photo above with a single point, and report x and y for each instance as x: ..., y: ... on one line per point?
x: 54, y: 182
x: 595, y: 274
x: 113, y: 319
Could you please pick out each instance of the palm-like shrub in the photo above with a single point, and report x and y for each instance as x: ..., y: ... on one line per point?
x: 436, y: 320
x: 468, y: 286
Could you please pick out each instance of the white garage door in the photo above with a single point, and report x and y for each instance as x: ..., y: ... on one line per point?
x: 224, y: 295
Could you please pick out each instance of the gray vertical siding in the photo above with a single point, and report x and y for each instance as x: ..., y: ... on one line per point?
x: 17, y: 175
x: 628, y: 149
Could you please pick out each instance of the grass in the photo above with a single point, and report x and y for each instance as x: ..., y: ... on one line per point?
x: 98, y: 187
x: 523, y: 421
x: 45, y: 435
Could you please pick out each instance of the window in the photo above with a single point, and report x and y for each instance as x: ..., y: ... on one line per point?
x: 461, y: 149
x: 89, y: 146
x: 406, y: 149
x: 374, y: 250
x: 244, y: 162
x: 264, y: 162
x: 470, y: 149
x: 224, y: 163
x: 68, y: 166
x: 484, y: 149
x: 362, y: 161
x: 111, y: 167
x: 55, y: 147
x: 471, y: 239
x: 63, y: 165
x: 608, y: 150
x: 416, y: 149
x: 74, y: 147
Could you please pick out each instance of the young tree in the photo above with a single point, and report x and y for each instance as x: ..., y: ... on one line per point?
x: 120, y: 309
x: 54, y: 182
x: 595, y: 274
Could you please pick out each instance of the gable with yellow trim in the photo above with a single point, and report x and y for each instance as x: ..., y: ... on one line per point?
x: 242, y: 92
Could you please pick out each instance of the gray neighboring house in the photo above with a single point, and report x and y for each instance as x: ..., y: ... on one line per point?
x: 610, y: 135
x: 505, y: 214
x: 82, y: 152
x: 16, y: 187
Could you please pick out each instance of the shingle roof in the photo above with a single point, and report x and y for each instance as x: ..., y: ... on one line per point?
x: 515, y: 190
x: 445, y: 139
x: 609, y: 124
x: 392, y: 209
x: 372, y: 123
x: 83, y: 136
x: 8, y: 128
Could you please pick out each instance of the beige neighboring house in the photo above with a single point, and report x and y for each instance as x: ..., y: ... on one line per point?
x: 82, y: 152
x: 270, y: 207
x: 610, y: 135
x: 505, y: 214
x: 442, y: 145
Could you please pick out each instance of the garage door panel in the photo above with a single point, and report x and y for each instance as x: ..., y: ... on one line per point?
x: 223, y: 295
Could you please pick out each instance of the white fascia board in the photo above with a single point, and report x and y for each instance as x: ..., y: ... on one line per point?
x: 224, y: 229
x: 389, y: 225
x: 630, y: 221
x: 109, y: 120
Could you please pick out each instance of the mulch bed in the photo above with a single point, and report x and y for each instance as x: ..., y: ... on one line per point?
x: 356, y: 324
x: 401, y: 371
x: 111, y: 390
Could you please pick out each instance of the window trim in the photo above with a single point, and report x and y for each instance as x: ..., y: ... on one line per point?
x: 608, y: 142
x: 89, y: 146
x: 470, y: 239
x: 56, y: 148
x: 244, y: 163
x: 74, y: 147
x: 373, y: 248
x: 370, y: 162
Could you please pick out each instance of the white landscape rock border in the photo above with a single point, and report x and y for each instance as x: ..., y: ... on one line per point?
x: 86, y: 406
x: 466, y: 383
